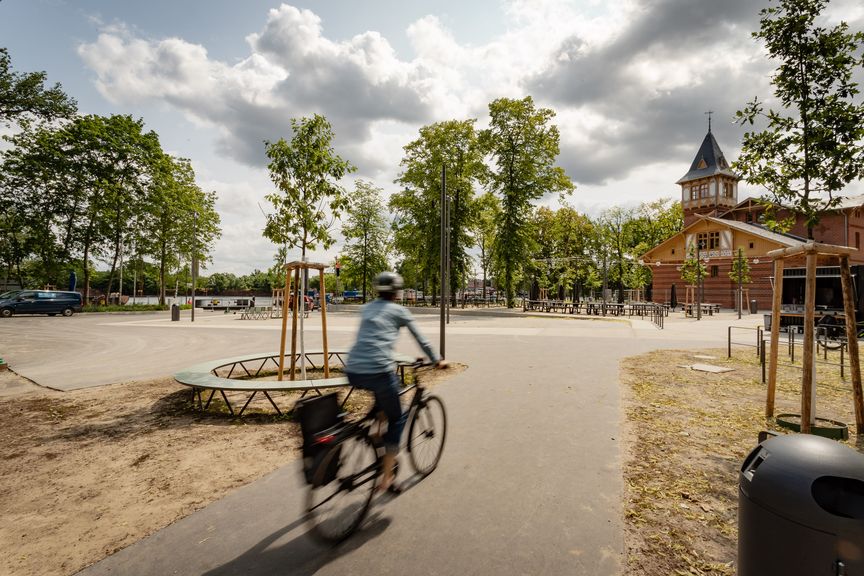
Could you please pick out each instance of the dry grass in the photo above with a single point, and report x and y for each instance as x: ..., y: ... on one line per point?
x: 688, y: 433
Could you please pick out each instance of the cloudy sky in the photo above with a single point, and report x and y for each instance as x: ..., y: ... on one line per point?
x: 630, y: 81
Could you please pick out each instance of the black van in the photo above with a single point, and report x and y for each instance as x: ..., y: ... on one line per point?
x: 50, y: 302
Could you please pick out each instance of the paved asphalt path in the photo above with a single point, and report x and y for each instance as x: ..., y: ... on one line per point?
x: 530, y: 481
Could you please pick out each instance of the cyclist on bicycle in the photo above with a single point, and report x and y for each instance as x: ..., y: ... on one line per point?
x: 370, y: 364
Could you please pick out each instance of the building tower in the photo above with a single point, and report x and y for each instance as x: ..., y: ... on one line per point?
x: 710, y: 187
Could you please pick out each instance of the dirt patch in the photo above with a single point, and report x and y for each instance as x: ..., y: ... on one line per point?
x: 89, y: 472
x: 687, y: 434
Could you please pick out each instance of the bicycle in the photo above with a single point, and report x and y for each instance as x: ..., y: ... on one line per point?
x: 830, y: 332
x: 344, y: 461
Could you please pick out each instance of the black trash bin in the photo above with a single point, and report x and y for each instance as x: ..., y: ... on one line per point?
x: 175, y: 313
x: 801, y: 508
x: 753, y: 307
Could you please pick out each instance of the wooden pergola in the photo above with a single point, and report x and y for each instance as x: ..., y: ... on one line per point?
x: 295, y: 268
x: 812, y: 251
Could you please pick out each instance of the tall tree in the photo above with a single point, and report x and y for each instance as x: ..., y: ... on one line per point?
x: 306, y: 172
x: 24, y: 96
x: 488, y: 209
x: 812, y: 147
x: 616, y: 233
x: 574, y: 235
x: 181, y: 218
x: 523, y: 146
x: 366, y: 232
x: 452, y: 144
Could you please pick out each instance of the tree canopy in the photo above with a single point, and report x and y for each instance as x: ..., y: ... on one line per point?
x: 366, y: 231
x: 522, y: 145
x: 24, y: 96
x: 812, y: 146
x: 306, y: 172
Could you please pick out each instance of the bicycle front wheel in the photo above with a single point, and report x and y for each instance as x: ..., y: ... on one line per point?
x: 426, y: 435
x: 342, y: 488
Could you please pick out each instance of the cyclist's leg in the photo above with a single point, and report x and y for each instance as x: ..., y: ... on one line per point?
x: 385, y: 386
x: 387, y: 397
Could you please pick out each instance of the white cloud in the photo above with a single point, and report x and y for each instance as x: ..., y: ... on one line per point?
x: 630, y: 81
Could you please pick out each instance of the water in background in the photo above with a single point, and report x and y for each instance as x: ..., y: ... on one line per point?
x: 202, y: 300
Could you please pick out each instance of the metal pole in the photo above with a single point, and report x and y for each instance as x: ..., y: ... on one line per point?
x: 194, y: 258
x: 740, y: 288
x: 447, y: 252
x: 441, y: 253
x: 134, y: 274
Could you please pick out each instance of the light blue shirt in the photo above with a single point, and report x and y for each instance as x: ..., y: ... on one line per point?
x: 380, y: 322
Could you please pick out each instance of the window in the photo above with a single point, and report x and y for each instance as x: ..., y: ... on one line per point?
x: 703, y: 190
x: 858, y: 240
x: 673, y: 251
x: 751, y: 245
x: 694, y: 192
x: 708, y: 240
x: 727, y: 190
x: 715, y: 271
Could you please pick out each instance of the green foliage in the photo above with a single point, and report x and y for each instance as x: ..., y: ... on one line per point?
x: 306, y: 171
x: 523, y: 146
x: 812, y: 147
x: 417, y: 208
x: 740, y: 268
x: 692, y: 270
x: 97, y: 188
x: 488, y: 211
x: 366, y: 232
x: 24, y: 97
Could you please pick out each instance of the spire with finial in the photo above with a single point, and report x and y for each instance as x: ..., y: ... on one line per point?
x: 709, y: 113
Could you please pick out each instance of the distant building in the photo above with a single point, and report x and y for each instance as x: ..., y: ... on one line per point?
x: 716, y: 225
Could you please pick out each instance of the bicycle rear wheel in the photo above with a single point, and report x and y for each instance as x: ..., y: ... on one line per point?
x: 338, y: 503
x: 426, y: 435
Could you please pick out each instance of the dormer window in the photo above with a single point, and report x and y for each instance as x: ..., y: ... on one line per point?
x: 702, y: 164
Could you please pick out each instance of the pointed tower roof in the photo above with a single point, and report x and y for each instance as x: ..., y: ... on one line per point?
x: 709, y: 161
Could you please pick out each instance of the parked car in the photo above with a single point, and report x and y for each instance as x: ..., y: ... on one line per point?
x: 50, y: 302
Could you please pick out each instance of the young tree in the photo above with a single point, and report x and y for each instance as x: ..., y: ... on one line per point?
x: 306, y: 172
x: 812, y: 147
x: 740, y: 274
x: 616, y: 232
x: 366, y: 234
x: 523, y: 146
x: 574, y: 235
x: 693, y: 270
x: 488, y: 211
x: 23, y: 96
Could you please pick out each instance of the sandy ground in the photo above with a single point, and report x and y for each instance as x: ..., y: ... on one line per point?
x: 88, y: 472
x: 687, y: 434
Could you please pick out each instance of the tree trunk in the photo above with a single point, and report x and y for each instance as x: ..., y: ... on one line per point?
x: 86, y: 267
x: 163, y: 256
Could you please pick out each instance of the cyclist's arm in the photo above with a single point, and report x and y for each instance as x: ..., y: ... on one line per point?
x: 409, y: 322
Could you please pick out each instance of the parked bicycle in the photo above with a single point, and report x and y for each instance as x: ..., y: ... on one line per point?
x: 831, y: 332
x: 342, y: 462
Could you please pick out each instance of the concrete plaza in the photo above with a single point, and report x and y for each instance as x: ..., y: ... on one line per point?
x: 530, y: 481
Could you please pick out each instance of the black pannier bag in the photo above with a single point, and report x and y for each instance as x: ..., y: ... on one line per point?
x: 317, y: 414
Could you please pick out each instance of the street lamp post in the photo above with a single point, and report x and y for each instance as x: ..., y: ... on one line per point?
x: 194, y: 258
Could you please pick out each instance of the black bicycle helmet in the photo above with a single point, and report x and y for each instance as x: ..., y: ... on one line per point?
x: 387, y: 282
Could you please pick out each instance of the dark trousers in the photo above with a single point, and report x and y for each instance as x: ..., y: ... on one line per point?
x: 385, y: 386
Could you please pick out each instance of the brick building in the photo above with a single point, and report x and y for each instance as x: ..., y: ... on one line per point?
x: 716, y: 225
